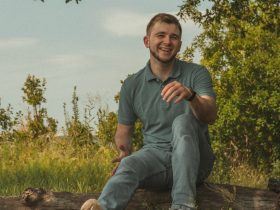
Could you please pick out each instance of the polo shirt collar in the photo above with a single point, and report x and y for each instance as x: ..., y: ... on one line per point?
x: 176, y: 72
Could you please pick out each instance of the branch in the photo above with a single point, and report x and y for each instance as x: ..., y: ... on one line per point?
x: 66, y: 1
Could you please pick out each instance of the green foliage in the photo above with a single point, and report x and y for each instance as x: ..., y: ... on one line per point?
x: 58, y: 165
x: 34, y: 89
x: 276, y: 169
x: 8, y: 121
x: 106, y: 126
x: 54, y: 165
x: 240, y: 45
x: 79, y: 131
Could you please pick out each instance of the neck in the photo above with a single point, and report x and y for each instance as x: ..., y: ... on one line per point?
x: 161, y: 70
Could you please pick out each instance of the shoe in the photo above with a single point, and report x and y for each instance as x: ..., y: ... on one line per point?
x: 91, y: 204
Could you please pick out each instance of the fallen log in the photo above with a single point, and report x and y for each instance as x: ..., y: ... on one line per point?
x: 209, y: 197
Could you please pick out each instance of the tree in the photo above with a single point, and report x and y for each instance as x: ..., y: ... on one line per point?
x: 240, y: 45
x: 34, y: 89
x: 8, y: 121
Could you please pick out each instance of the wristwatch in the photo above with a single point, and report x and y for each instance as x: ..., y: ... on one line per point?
x: 192, y: 96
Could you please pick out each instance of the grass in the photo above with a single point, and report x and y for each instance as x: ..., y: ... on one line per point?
x: 240, y: 175
x: 60, y: 165
x: 57, y: 165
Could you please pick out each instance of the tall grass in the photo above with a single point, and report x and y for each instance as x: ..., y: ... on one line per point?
x: 57, y: 165
x: 60, y: 165
x: 241, y: 175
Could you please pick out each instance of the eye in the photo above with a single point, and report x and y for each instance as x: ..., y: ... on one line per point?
x: 160, y: 35
x: 174, y: 37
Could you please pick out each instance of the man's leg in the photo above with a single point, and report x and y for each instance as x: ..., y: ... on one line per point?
x: 192, y: 159
x: 132, y: 171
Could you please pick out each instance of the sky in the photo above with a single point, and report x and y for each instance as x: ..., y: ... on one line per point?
x: 92, y: 45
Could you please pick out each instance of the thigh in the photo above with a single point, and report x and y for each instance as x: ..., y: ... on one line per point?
x: 160, y: 181
x: 146, y: 163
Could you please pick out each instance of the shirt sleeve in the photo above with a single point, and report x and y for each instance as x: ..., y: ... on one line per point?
x: 126, y: 114
x: 202, y: 84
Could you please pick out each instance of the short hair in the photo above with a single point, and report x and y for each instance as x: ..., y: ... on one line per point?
x: 163, y: 18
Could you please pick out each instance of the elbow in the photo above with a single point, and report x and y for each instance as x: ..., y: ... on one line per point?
x: 212, y: 118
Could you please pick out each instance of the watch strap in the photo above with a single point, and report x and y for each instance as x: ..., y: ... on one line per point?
x: 192, y: 96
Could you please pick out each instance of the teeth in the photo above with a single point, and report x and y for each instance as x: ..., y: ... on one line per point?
x: 165, y: 49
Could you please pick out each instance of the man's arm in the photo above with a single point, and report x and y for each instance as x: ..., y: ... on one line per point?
x: 123, y: 139
x: 203, y: 107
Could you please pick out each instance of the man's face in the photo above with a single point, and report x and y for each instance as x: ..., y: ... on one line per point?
x: 164, y: 42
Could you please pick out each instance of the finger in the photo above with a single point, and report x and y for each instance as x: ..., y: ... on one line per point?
x: 179, y: 89
x: 170, y: 91
x: 183, y: 94
x: 124, y: 151
x: 179, y: 98
x: 174, y: 94
x: 167, y: 87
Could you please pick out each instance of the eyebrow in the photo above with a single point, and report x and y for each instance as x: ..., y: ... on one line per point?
x: 162, y: 32
x: 173, y: 34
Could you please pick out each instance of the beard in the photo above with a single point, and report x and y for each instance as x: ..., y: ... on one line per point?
x: 165, y: 61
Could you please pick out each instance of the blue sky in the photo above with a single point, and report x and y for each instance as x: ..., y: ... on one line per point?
x: 92, y: 45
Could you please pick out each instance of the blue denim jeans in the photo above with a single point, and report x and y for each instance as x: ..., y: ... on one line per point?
x: 188, y: 163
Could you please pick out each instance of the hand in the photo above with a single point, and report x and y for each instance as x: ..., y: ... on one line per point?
x: 123, y: 153
x: 175, y: 89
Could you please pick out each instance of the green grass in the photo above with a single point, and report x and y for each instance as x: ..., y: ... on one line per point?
x: 59, y: 165
x: 241, y: 175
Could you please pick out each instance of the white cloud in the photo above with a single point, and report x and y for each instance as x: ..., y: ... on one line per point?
x: 17, y: 42
x: 71, y: 61
x: 127, y: 23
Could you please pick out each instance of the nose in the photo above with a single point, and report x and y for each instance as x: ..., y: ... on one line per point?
x: 167, y: 40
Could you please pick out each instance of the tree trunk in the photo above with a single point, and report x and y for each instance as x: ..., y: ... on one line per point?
x: 209, y: 197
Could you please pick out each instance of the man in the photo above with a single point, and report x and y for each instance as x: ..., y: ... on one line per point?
x: 175, y: 101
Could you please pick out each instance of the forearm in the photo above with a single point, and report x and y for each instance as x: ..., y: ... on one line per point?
x: 204, y: 108
x: 123, y: 137
x: 123, y: 142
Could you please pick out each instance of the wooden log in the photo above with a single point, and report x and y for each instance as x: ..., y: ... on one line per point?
x: 209, y: 197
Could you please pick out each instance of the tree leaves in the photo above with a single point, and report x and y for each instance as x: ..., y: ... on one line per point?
x: 240, y: 45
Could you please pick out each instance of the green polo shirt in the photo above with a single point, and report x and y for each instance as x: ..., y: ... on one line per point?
x: 140, y: 98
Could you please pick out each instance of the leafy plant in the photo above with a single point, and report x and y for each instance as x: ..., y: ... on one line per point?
x: 34, y: 89
x: 240, y: 45
x: 79, y: 131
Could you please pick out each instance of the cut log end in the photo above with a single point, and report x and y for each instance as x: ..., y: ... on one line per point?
x: 274, y: 185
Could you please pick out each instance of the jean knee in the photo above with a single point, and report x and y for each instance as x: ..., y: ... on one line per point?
x: 128, y: 164
x: 184, y: 122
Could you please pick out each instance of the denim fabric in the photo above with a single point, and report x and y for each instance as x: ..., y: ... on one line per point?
x: 189, y: 162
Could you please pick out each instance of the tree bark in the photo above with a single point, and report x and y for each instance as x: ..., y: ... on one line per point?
x: 209, y: 197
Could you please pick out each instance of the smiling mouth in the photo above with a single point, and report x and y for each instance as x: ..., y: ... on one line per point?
x: 165, y: 49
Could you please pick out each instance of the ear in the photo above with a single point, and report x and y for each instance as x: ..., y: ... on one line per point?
x: 146, y: 41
